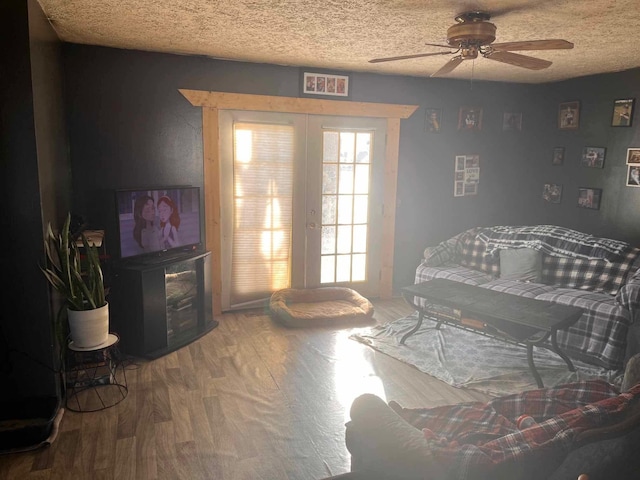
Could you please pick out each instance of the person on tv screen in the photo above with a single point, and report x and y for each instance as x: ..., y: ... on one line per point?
x: 169, y: 222
x: 145, y: 231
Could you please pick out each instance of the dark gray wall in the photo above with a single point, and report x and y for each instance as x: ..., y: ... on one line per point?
x: 129, y: 126
x: 35, y: 183
x: 619, y: 214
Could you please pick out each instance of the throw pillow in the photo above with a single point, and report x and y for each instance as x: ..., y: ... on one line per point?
x: 523, y: 264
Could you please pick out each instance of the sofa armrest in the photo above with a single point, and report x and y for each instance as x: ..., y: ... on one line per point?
x: 629, y: 295
x: 444, y: 252
x: 384, y: 445
x: 435, y: 256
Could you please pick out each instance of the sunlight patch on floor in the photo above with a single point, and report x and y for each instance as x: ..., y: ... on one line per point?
x: 353, y: 373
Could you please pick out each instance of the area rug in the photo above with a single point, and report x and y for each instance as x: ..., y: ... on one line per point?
x: 467, y: 360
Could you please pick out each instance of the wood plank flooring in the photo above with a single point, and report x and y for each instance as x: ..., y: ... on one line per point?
x: 249, y: 400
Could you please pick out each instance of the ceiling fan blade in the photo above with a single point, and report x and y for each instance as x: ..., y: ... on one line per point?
x: 441, y: 46
x: 448, y: 67
x: 405, y: 57
x: 498, y: 8
x: 554, y: 44
x: 519, y: 60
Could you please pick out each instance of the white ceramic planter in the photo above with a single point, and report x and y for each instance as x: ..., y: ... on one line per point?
x: 89, y: 328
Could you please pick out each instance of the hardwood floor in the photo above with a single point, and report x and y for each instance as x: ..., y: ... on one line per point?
x: 250, y: 400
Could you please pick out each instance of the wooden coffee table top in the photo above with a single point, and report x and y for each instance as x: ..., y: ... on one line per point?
x: 491, y: 306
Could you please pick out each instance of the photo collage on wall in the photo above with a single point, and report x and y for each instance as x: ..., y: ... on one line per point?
x: 633, y: 167
x: 593, y: 156
x: 466, y: 175
x: 470, y: 120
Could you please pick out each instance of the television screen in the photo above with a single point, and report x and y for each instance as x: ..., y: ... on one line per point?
x: 158, y: 219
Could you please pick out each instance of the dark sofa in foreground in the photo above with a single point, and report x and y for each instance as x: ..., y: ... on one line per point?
x: 600, y: 438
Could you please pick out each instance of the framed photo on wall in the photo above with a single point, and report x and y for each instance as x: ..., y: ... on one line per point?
x: 622, y: 112
x: 433, y: 120
x: 325, y: 84
x: 589, y: 197
x: 633, y: 176
x: 470, y: 189
x: 511, y: 121
x: 470, y: 119
x: 633, y: 156
x: 569, y: 115
x: 558, y: 156
x: 552, y: 192
x: 466, y: 175
x: 592, y: 157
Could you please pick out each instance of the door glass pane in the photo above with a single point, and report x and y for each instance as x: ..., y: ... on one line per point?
x: 363, y: 147
x: 360, y: 208
x: 345, y: 182
x: 347, y: 147
x: 360, y: 238
x: 345, y: 209
x: 328, y: 240
x: 345, y: 215
x: 359, y: 268
x: 361, y: 184
x: 344, y: 239
x: 328, y: 269
x: 343, y: 268
x: 330, y: 147
x: 328, y: 209
x: 330, y: 178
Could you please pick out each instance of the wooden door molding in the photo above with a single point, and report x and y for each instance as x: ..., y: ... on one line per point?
x: 211, y: 102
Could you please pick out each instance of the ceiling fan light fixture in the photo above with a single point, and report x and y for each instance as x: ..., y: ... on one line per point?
x: 473, y: 16
x: 480, y: 33
x: 469, y: 52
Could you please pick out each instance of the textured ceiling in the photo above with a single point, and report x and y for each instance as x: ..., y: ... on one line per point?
x: 345, y: 34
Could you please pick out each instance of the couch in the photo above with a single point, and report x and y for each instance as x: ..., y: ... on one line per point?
x: 581, y: 428
x: 557, y: 264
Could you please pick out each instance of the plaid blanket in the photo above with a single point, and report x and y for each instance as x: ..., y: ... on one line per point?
x: 608, y: 291
x: 552, y: 240
x: 475, y: 437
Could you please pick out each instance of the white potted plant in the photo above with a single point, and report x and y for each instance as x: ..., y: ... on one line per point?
x: 81, y: 283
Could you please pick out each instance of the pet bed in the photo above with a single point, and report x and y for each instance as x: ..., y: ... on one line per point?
x: 305, y: 307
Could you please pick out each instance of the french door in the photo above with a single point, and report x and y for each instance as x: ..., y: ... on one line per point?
x: 301, y: 200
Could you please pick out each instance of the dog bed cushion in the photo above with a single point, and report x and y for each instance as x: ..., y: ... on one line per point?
x: 304, y: 307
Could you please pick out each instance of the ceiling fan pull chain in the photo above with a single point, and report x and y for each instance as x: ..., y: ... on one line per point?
x: 473, y: 66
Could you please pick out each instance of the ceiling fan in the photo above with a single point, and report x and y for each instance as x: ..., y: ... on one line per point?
x: 473, y: 35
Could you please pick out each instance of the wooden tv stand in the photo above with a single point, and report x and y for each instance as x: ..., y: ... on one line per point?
x: 518, y: 320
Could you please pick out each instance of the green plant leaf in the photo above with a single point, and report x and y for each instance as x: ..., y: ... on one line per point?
x: 81, y: 285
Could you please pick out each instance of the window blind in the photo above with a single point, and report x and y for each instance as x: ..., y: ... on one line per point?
x: 263, y: 162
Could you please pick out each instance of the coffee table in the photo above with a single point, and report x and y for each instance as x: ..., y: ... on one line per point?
x: 517, y: 320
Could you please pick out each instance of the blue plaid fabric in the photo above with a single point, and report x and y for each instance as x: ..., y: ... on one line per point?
x: 600, y: 334
x: 453, y: 272
x: 445, y: 252
x: 597, y: 275
x: 629, y: 295
x: 552, y: 240
x: 609, y: 292
x: 474, y: 255
x: 522, y: 289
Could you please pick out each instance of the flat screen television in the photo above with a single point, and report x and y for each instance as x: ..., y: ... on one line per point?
x: 154, y: 221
